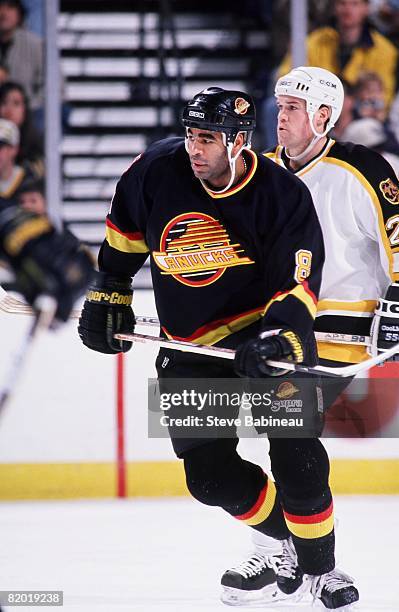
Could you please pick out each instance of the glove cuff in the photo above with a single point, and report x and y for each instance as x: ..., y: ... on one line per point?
x: 295, y: 347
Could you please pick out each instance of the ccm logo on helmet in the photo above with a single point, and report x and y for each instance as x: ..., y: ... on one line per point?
x: 328, y: 83
x: 196, y: 114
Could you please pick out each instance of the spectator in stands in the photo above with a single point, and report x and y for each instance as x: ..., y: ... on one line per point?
x: 349, y: 47
x: 370, y: 97
x: 12, y: 175
x: 369, y: 103
x: 370, y: 133
x: 319, y: 14
x: 385, y: 16
x: 14, y: 106
x: 21, y: 51
x: 31, y: 197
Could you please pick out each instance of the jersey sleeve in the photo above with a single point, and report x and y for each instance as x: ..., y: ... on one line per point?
x: 124, y: 249
x: 295, y: 268
x: 380, y: 220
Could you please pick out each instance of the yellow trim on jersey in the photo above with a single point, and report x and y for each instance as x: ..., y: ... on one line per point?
x: 301, y: 294
x: 215, y: 335
x: 276, y: 154
x: 361, y: 306
x: 342, y: 352
x: 239, y: 186
x: 374, y: 198
x: 318, y: 159
x: 122, y: 243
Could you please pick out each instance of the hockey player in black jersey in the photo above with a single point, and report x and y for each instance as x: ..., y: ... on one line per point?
x: 236, y: 259
x: 355, y: 192
x: 46, y: 262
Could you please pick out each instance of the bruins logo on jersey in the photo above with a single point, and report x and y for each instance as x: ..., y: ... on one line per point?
x: 195, y: 249
x: 390, y: 191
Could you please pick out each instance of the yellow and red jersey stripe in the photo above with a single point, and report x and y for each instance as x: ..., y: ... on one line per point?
x: 301, y: 292
x: 127, y: 242
x: 217, y: 330
x: 313, y: 526
x: 263, y: 506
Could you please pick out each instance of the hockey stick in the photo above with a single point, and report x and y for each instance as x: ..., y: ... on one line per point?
x: 201, y: 349
x: 11, y: 305
x: 45, y: 310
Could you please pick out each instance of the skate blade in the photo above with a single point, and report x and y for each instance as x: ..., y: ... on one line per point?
x: 318, y: 605
x: 239, y: 597
x: 270, y: 595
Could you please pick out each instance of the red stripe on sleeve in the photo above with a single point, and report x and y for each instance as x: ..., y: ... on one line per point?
x: 129, y: 235
x: 305, y: 285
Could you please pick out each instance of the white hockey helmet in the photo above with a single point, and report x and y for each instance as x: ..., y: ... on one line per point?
x: 318, y: 87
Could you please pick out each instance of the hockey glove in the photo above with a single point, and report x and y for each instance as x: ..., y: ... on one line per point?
x: 107, y: 311
x: 45, y: 262
x: 385, y: 326
x: 250, y: 358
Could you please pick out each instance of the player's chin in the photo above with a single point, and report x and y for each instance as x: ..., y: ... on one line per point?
x: 282, y: 137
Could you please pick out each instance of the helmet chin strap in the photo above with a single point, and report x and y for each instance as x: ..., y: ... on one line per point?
x: 232, y: 162
x: 316, y: 137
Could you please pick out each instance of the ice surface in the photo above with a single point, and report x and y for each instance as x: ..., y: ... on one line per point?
x: 153, y: 556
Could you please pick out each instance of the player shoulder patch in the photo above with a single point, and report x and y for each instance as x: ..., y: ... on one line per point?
x: 390, y: 191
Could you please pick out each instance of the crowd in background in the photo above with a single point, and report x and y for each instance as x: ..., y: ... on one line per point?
x: 21, y: 104
x: 356, y: 39
x: 359, y: 41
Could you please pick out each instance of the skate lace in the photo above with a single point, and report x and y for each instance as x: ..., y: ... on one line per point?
x: 288, y: 561
x: 255, y: 565
x: 333, y: 581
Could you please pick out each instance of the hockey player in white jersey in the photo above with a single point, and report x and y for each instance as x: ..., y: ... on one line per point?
x: 356, y: 195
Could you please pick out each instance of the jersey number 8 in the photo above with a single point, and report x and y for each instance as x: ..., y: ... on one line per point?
x: 303, y: 260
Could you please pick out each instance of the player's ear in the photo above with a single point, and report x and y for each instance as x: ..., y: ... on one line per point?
x: 321, y: 118
x: 238, y: 143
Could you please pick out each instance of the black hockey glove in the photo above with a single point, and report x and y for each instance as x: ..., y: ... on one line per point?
x: 385, y: 325
x: 250, y: 358
x: 45, y: 262
x: 107, y: 311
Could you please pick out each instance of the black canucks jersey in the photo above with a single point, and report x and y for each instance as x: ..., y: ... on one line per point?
x: 220, y: 262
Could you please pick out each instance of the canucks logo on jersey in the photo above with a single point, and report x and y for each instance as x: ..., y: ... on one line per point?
x: 196, y: 250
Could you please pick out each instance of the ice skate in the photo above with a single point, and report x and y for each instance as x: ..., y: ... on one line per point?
x: 334, y: 590
x: 250, y: 581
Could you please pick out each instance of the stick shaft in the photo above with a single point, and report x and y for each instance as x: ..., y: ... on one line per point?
x: 200, y: 349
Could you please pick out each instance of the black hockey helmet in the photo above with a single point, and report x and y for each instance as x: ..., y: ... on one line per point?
x: 221, y: 110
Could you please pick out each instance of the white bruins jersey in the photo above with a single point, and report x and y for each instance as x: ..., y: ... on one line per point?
x: 356, y: 196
